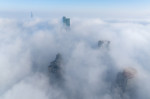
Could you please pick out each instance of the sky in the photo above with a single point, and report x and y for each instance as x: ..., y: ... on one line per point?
x: 86, y: 7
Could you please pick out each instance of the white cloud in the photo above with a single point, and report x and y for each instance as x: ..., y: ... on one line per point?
x: 27, y: 48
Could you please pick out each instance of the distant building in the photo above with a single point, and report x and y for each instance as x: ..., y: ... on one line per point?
x: 55, y: 69
x: 121, y: 83
x: 103, y: 44
x: 31, y: 15
x: 55, y: 65
x: 123, y: 77
x: 66, y: 21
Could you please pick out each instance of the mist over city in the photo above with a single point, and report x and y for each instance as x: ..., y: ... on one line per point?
x: 76, y: 50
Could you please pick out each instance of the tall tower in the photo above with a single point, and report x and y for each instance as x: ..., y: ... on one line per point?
x: 31, y: 15
x: 121, y: 86
x: 66, y: 21
x: 55, y: 69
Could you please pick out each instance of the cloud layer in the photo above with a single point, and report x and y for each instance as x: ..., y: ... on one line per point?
x: 28, y: 46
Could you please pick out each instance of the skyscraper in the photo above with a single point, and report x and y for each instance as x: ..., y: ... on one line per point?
x: 66, y: 21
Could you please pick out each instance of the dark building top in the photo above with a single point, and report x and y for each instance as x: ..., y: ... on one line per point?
x: 102, y: 43
x: 121, y: 81
x: 31, y: 15
x: 55, y: 67
x: 66, y: 21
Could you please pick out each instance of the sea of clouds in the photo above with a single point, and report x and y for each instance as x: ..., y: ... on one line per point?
x: 28, y: 46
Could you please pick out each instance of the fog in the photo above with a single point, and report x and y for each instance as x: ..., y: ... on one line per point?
x: 28, y: 46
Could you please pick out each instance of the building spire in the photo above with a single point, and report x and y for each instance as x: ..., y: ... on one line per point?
x: 31, y: 15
